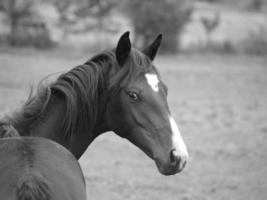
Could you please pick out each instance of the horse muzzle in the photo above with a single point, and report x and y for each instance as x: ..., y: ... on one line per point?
x: 176, y: 163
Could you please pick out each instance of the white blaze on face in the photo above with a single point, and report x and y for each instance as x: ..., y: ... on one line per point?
x: 177, y: 139
x: 153, y: 81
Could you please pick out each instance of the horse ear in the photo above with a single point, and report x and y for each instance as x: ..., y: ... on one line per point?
x: 152, y: 49
x: 123, y: 48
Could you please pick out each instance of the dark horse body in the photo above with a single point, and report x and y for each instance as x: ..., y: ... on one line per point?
x: 118, y: 90
x: 33, y: 168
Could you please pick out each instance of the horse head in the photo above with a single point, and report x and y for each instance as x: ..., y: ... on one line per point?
x: 138, y: 108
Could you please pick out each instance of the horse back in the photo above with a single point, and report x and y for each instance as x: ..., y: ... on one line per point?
x: 37, y: 167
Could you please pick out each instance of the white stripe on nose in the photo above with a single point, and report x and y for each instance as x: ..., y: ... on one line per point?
x: 177, y: 140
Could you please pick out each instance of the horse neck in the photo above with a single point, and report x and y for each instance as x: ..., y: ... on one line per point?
x: 49, y: 126
x: 48, y: 123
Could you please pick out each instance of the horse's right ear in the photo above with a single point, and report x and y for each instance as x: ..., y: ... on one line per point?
x: 123, y: 48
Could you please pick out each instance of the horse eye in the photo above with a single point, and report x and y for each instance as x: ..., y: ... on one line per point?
x: 133, y: 95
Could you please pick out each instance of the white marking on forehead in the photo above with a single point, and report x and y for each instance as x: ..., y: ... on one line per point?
x: 153, y: 81
x: 177, y: 140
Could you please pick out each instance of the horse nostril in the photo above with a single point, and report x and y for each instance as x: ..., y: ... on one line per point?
x: 183, y: 166
x: 174, y: 157
x: 177, y: 161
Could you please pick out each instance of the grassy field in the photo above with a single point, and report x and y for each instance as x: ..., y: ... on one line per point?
x: 220, y: 104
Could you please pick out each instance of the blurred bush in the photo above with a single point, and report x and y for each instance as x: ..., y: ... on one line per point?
x: 31, y: 33
x: 151, y: 17
x: 42, y: 23
x: 256, y: 43
x: 212, y: 47
x: 255, y: 5
x: 25, y: 27
x: 212, y: 1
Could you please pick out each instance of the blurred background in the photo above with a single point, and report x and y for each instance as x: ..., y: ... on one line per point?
x: 213, y: 59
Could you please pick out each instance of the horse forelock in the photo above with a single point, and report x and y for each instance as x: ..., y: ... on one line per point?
x: 136, y: 64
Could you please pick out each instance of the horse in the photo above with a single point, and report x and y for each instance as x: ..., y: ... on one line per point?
x: 34, y: 168
x: 117, y: 90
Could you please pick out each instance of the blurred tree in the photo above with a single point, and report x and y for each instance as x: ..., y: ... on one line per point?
x: 255, y: 5
x: 151, y: 17
x: 72, y: 11
x: 99, y: 9
x: 14, y: 11
x: 211, y: 23
x: 212, y: 1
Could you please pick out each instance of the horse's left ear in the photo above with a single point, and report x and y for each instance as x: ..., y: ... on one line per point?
x: 152, y: 49
x: 123, y: 48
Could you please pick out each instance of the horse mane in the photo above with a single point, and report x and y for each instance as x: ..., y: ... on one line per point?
x: 81, y: 88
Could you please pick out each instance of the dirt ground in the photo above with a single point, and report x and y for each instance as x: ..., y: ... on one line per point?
x: 220, y: 104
